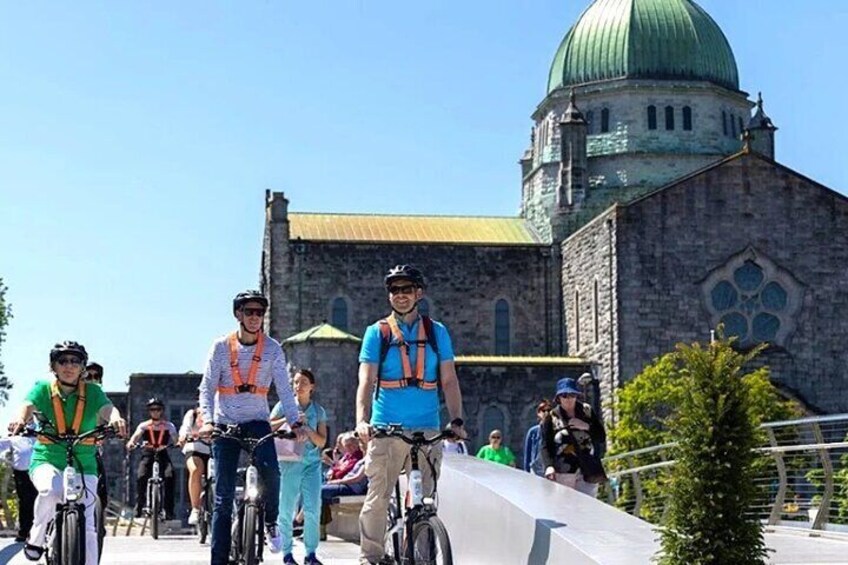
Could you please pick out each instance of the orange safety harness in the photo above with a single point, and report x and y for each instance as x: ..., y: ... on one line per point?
x: 409, y: 379
x: 240, y: 385
x: 154, y: 441
x: 59, y: 413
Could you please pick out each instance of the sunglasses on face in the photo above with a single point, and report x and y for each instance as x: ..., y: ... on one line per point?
x: 495, y: 437
x: 75, y: 361
x: 248, y: 312
x: 157, y: 409
x: 405, y: 289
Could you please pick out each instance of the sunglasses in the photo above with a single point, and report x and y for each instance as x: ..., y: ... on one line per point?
x: 494, y: 437
x: 406, y: 289
x: 248, y: 312
x: 155, y: 409
x: 75, y: 361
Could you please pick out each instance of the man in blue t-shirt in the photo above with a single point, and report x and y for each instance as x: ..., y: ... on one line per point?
x: 400, y: 372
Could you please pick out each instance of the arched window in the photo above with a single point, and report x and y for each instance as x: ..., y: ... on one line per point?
x: 501, y: 327
x: 493, y: 419
x: 724, y: 122
x: 339, y: 313
x: 424, y: 307
x: 590, y: 122
x: 687, y: 118
x: 732, y: 126
x: 741, y: 125
x: 652, y: 117
x: 605, y: 120
x: 669, y: 118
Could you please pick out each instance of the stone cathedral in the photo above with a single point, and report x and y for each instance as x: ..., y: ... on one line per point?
x: 652, y: 209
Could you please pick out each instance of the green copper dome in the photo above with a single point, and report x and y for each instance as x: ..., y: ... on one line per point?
x: 652, y: 39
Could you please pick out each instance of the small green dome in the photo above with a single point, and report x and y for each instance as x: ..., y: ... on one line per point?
x: 652, y: 39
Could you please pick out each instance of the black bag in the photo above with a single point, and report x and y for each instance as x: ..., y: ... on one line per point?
x: 591, y: 467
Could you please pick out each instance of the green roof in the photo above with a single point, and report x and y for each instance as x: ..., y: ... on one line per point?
x: 520, y: 360
x: 650, y: 39
x: 322, y: 332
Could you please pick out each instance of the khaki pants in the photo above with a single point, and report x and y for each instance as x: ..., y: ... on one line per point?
x: 575, y: 481
x: 386, y: 458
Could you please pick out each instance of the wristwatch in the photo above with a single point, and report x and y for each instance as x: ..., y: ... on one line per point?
x: 458, y: 422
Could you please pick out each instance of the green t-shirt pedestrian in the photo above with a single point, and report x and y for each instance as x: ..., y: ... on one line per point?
x: 496, y: 451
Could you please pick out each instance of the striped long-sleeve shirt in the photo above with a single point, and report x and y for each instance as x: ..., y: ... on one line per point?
x: 246, y: 406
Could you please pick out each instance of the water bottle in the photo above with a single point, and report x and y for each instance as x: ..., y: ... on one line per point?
x: 416, y: 487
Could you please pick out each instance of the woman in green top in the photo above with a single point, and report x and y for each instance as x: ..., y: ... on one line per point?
x: 80, y: 407
x: 496, y: 451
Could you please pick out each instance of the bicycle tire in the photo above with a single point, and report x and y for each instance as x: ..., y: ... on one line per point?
x: 71, y: 540
x: 248, y: 545
x: 430, y: 543
x: 202, y: 524
x: 99, y: 518
x: 155, y: 503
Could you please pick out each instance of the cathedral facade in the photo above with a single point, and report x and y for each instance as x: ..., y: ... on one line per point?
x: 652, y: 210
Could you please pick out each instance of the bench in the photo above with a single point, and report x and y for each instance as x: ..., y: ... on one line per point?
x: 345, y: 524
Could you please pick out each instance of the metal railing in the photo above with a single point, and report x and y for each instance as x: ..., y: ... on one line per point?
x: 802, y: 475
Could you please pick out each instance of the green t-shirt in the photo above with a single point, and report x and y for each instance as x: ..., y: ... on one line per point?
x: 504, y: 455
x: 54, y: 453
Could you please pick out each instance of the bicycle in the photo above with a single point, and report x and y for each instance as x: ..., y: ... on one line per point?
x: 249, y: 510
x: 204, y: 517
x: 66, y: 530
x: 420, y: 537
x: 155, y: 487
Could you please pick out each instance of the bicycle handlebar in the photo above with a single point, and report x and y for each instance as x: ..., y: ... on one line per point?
x: 417, y: 438
x: 101, y: 432
x: 249, y: 444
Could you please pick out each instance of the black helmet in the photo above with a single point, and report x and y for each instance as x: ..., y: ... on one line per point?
x: 68, y: 348
x: 243, y: 298
x: 155, y: 401
x: 407, y: 272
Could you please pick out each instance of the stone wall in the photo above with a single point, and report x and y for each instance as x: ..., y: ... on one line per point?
x: 465, y: 282
x: 670, y: 242
x: 589, y: 275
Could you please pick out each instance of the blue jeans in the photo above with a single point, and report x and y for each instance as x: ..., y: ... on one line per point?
x: 226, y: 453
x: 304, y: 480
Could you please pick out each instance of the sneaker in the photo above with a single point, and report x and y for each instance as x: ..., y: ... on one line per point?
x: 192, y: 518
x: 272, y: 535
x: 288, y: 559
x: 311, y: 560
x: 33, y: 552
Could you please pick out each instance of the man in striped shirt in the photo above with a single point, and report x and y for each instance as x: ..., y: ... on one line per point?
x: 233, y: 390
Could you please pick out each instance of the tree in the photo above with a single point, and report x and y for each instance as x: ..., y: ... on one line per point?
x: 712, y: 486
x: 5, y: 316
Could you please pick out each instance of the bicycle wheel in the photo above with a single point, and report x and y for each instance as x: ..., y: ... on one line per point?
x: 99, y: 521
x: 202, y: 524
x: 155, y: 504
x: 430, y: 543
x: 248, y: 545
x: 72, y: 548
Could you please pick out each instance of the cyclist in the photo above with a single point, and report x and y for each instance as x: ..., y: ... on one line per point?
x: 71, y: 406
x: 403, y: 360
x: 94, y: 375
x: 197, y: 454
x: 233, y: 390
x: 154, y: 435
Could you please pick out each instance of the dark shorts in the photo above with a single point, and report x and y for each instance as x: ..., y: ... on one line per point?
x: 202, y: 456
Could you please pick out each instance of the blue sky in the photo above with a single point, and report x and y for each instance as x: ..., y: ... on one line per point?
x: 138, y: 139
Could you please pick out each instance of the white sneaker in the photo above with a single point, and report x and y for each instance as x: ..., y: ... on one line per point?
x: 192, y: 518
x: 272, y: 535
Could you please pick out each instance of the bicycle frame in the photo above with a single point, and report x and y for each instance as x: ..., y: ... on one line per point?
x: 252, y: 499
x: 73, y: 487
x: 421, y: 507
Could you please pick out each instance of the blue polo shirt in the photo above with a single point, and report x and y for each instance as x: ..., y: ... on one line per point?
x: 410, y: 407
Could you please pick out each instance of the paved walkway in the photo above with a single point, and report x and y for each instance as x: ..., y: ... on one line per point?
x: 791, y: 549
x: 184, y: 550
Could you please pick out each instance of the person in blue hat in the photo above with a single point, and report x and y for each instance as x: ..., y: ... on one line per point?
x: 569, y: 433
